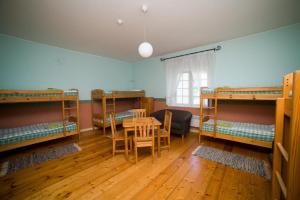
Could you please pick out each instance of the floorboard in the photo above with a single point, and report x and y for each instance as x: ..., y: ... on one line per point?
x: 93, y: 173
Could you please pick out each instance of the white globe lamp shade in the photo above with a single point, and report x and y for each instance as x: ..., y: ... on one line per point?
x: 145, y: 49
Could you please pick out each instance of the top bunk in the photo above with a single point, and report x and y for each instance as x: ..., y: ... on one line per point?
x: 21, y: 96
x: 290, y: 91
x: 249, y: 93
x: 117, y: 94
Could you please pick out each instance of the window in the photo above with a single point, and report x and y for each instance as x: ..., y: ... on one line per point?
x: 188, y: 90
x: 184, y: 77
x: 183, y: 89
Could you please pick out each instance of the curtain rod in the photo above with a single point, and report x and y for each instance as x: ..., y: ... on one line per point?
x: 212, y: 49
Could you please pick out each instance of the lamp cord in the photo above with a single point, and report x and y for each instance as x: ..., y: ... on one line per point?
x: 145, y: 35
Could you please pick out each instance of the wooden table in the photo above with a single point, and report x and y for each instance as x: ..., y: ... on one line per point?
x: 128, y: 125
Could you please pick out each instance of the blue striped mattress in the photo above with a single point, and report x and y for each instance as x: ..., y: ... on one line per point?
x: 19, y: 134
x: 66, y: 93
x: 213, y: 91
x: 111, y: 91
x: 239, y: 129
x: 119, y: 117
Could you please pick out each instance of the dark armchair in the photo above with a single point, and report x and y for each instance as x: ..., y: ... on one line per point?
x: 180, y: 121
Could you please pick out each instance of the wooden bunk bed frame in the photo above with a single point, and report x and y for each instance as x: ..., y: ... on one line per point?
x: 286, y: 159
x: 224, y: 94
x: 220, y: 93
x: 36, y: 96
x: 108, y: 104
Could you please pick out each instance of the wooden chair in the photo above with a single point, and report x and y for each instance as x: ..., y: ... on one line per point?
x: 166, y: 130
x: 117, y: 135
x: 138, y: 113
x: 143, y: 135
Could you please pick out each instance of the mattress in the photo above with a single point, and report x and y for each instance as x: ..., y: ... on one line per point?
x: 118, y: 116
x: 66, y: 93
x: 19, y: 134
x: 195, y: 121
x: 239, y: 129
x: 70, y: 93
x: 109, y: 92
x: 213, y: 91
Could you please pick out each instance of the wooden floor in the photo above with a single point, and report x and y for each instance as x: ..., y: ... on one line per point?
x: 94, y: 174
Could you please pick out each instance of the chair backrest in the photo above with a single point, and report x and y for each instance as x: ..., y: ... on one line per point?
x: 144, y: 129
x: 168, y: 121
x: 138, y: 113
x: 113, y: 124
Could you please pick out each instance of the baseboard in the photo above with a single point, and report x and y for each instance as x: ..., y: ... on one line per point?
x: 194, y: 130
x: 86, y: 129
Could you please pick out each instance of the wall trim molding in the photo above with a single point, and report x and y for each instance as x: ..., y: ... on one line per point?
x: 86, y: 129
x: 194, y: 130
x: 160, y: 99
x: 85, y: 101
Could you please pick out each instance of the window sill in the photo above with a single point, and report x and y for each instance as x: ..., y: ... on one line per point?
x: 185, y: 106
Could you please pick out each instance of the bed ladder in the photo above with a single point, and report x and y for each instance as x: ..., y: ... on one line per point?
x: 210, y: 106
x: 287, y: 134
x: 67, y: 108
x: 278, y: 184
x: 112, y: 105
x: 106, y: 109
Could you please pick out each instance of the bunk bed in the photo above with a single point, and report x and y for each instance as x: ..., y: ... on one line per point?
x: 11, y: 138
x: 108, y: 104
x: 249, y: 133
x: 286, y: 159
x: 253, y: 93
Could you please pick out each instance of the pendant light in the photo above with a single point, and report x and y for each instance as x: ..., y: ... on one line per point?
x: 145, y: 48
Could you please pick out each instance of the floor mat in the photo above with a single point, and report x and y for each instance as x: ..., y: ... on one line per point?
x: 36, y: 158
x: 237, y: 161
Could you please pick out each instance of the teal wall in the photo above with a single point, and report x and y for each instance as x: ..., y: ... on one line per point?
x: 30, y: 65
x: 255, y: 60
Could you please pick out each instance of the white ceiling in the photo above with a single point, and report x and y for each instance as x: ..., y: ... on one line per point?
x: 172, y: 25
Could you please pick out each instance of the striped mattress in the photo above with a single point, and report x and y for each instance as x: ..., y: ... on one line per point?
x: 19, y: 134
x: 111, y: 91
x: 239, y: 129
x: 119, y: 117
x: 66, y: 93
x: 213, y: 91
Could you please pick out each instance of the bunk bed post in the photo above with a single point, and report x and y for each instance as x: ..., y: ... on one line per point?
x: 287, y: 84
x: 78, y: 114
x: 92, y: 111
x: 63, y: 113
x: 104, y: 113
x: 200, y: 118
x: 293, y: 191
x: 276, y: 192
x: 215, y: 116
x: 114, y: 103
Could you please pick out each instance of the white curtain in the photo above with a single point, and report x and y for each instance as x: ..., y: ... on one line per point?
x: 196, y: 64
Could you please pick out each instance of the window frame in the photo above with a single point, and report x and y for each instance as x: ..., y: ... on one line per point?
x: 190, y: 89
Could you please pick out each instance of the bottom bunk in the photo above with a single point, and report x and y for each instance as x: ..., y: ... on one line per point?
x: 249, y: 133
x: 11, y: 138
x: 98, y: 119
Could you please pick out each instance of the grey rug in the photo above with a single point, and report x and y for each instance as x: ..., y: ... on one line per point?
x: 243, y: 163
x: 36, y: 158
